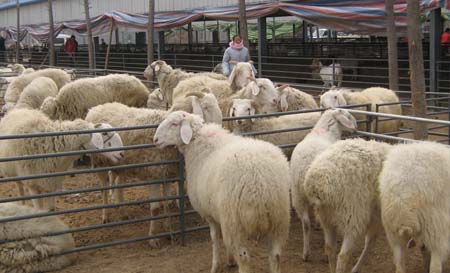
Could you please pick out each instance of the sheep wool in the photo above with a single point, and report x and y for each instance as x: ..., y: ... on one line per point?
x: 17, y: 86
x: 29, y: 251
x: 342, y: 185
x: 75, y: 99
x: 415, y: 202
x: 35, y: 93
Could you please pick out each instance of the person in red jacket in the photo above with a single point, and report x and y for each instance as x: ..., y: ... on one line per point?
x: 71, y: 47
x: 445, y: 40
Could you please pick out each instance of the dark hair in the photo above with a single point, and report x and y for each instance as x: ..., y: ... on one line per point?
x: 235, y: 36
x: 447, y: 30
x: 73, y: 36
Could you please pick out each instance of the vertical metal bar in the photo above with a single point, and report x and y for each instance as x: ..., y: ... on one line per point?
x: 368, y: 119
x: 160, y: 44
x: 190, y: 38
x: 377, y: 109
x: 18, y: 32
x: 262, y: 43
x: 180, y: 159
x: 435, y: 47
x: 334, y: 74
x: 108, y: 50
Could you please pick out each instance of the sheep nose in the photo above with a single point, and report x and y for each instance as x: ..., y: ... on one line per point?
x: 121, y: 155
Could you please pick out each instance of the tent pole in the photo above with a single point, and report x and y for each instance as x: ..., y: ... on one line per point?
x: 18, y: 32
x: 435, y: 48
x: 108, y: 50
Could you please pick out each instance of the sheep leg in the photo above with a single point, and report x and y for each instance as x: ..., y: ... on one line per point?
x: 117, y: 193
x: 399, y: 252
x: 104, y: 178
x: 275, y: 256
x: 231, y: 262
x: 37, y: 202
x: 436, y: 263
x: 330, y: 246
x: 155, y: 225
x: 214, y: 232
x: 369, y: 240
x: 21, y: 191
x: 306, y: 224
x: 50, y: 203
x: 426, y: 256
x: 345, y: 254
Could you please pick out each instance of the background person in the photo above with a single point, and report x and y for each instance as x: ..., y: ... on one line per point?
x: 234, y: 54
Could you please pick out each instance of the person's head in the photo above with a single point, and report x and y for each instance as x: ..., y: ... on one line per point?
x: 237, y: 39
x: 447, y: 30
x: 72, y: 37
x: 103, y: 40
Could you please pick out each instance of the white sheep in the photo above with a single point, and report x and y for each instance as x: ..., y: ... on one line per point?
x: 35, y: 93
x: 232, y: 186
x: 292, y: 99
x: 19, y: 69
x: 327, y: 131
x: 16, y: 87
x: 241, y: 75
x: 29, y: 251
x: 342, y: 185
x: 120, y: 115
x: 374, y: 95
x: 156, y: 100
x: 262, y: 91
x: 168, y: 78
x: 26, y: 121
x: 203, y: 104
x: 246, y: 107
x: 75, y: 99
x: 329, y: 74
x: 415, y: 202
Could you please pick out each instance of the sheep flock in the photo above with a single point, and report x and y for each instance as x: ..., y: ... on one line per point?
x: 238, y: 179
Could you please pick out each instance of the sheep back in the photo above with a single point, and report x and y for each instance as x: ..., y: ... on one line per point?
x: 34, y: 94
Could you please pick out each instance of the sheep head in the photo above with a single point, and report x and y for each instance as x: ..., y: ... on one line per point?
x: 241, y: 75
x: 177, y: 129
x: 316, y: 65
x: 343, y: 119
x: 156, y: 100
x: 264, y: 93
x: 110, y: 140
x: 50, y: 107
x: 205, y: 105
x: 333, y: 98
x: 241, y: 108
x: 156, y: 69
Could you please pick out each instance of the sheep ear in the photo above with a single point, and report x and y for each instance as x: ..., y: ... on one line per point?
x: 196, y: 108
x: 284, y: 103
x: 96, y: 141
x: 232, y: 76
x: 282, y: 87
x: 186, y: 132
x: 344, y: 120
x: 160, y: 96
x: 252, y: 113
x: 231, y: 111
x: 341, y: 100
x: 253, y: 86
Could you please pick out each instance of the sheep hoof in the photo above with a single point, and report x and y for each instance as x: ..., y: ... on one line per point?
x: 155, y: 243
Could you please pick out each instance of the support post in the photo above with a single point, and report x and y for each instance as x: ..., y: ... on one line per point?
x: 51, y: 35
x: 108, y: 50
x: 190, y: 38
x: 262, y: 43
x: 435, y: 48
x: 161, y: 44
x: 150, y: 31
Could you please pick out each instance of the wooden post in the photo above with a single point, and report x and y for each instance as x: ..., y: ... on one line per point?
x: 243, y: 23
x: 108, y: 50
x: 417, y: 75
x: 150, y: 32
x: 18, y: 32
x: 89, y: 34
x: 262, y: 43
x: 392, y: 45
x: 51, y: 35
x: 274, y: 32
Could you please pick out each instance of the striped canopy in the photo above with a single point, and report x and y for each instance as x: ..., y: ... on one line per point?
x: 362, y: 16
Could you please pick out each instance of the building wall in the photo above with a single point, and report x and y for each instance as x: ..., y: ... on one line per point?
x: 73, y: 9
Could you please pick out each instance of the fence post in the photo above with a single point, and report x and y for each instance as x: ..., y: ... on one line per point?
x: 262, y: 43
x: 181, y: 194
x: 334, y: 74
x: 435, y: 54
x: 368, y: 120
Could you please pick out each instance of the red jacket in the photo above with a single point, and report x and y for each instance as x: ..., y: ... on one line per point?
x: 445, y: 38
x: 71, y: 46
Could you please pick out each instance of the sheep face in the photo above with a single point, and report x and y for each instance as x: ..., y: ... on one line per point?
x: 111, y: 140
x: 241, y: 75
x: 241, y: 108
x: 157, y: 68
x: 345, y: 120
x: 332, y: 99
x: 264, y: 93
x: 207, y: 108
x: 176, y: 130
x: 156, y: 100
